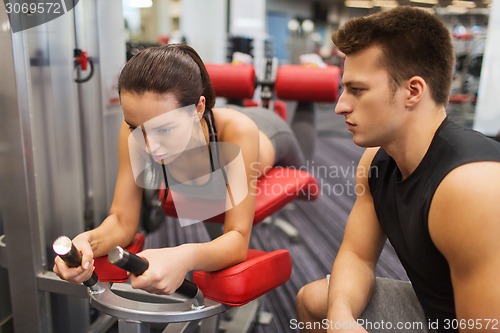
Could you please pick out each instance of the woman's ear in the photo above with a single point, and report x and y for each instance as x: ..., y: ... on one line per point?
x: 200, y: 107
x: 416, y: 87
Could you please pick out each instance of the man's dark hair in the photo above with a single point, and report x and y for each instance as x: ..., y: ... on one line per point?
x: 413, y: 41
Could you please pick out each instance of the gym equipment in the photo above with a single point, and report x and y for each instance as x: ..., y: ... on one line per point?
x: 308, y: 84
x: 68, y: 252
x: 234, y: 82
x: 232, y: 287
x: 303, y: 84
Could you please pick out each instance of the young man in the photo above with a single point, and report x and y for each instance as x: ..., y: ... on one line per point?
x: 432, y: 190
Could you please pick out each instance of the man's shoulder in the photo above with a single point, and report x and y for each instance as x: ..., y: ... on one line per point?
x: 467, y: 140
x: 472, y: 175
x: 456, y: 153
x: 468, y: 187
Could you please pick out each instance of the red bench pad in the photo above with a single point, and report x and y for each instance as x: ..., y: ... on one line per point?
x: 232, y: 81
x: 246, y: 281
x: 107, y: 272
x: 277, y: 188
x: 308, y: 84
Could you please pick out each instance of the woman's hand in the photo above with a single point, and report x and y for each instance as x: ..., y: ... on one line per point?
x: 84, y: 271
x: 167, y: 270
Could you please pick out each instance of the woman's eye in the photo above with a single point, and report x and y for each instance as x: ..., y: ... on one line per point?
x: 164, y: 130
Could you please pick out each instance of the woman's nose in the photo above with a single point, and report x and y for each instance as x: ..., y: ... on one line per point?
x: 152, y: 143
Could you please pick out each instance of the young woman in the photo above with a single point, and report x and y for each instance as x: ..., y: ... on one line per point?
x: 169, y: 115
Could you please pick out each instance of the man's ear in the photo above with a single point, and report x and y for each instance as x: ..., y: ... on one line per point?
x: 415, y: 87
x: 200, y: 107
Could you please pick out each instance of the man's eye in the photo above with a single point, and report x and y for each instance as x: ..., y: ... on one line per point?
x: 355, y: 91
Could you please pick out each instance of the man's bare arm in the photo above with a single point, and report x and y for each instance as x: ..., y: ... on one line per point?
x: 464, y: 223
x: 353, y: 271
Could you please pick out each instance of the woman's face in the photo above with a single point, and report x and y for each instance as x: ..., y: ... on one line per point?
x: 159, y: 124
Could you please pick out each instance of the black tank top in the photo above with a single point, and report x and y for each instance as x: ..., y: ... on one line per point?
x: 402, y: 208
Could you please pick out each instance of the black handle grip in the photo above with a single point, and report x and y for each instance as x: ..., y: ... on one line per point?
x: 137, y: 265
x: 64, y: 248
x: 128, y: 261
x: 188, y: 289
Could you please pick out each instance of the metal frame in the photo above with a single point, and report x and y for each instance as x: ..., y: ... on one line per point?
x: 42, y: 168
x: 18, y: 195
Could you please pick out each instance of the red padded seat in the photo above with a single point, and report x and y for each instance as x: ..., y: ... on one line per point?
x: 276, y: 189
x: 246, y: 281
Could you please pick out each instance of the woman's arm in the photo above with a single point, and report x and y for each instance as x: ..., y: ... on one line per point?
x: 120, y: 226
x: 169, y: 266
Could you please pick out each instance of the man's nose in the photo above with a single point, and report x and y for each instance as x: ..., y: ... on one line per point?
x: 342, y: 106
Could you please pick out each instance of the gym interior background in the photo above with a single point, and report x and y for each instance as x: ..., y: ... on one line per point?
x: 58, y: 137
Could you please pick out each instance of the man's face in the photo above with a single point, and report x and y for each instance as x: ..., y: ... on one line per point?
x: 372, y: 109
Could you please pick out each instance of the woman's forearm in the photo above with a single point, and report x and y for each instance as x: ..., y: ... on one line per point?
x: 224, y: 251
x: 110, y: 233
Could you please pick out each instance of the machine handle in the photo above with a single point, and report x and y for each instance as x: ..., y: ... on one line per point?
x: 64, y: 248
x: 137, y: 265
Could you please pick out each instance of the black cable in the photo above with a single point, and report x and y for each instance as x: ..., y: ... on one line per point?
x: 214, y: 139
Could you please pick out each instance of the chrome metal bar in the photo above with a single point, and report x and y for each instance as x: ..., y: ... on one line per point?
x: 132, y: 310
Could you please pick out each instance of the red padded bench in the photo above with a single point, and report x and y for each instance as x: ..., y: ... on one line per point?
x: 233, y: 286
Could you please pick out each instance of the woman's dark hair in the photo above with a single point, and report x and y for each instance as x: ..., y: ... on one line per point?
x: 175, y: 69
x: 413, y: 42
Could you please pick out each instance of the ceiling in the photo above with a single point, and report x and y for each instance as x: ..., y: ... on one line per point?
x: 440, y: 7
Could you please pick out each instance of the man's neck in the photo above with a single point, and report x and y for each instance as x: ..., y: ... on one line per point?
x: 414, y: 140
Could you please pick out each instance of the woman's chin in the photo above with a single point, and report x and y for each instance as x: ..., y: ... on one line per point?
x: 164, y: 158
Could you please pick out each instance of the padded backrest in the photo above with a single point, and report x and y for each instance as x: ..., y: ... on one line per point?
x: 308, y: 84
x: 234, y: 82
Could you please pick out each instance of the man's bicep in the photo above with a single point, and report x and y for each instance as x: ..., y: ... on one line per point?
x: 477, y: 300
x: 464, y: 224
